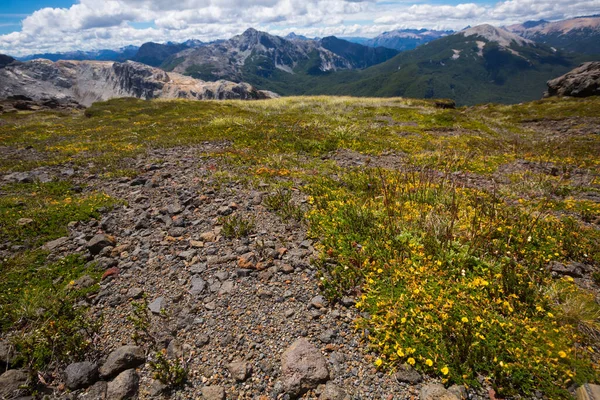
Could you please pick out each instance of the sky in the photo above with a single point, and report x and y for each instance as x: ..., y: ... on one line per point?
x: 43, y: 26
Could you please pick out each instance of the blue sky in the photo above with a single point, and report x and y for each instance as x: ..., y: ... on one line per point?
x: 38, y: 26
x: 12, y: 12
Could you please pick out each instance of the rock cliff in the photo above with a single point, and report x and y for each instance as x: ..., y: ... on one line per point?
x: 89, y: 81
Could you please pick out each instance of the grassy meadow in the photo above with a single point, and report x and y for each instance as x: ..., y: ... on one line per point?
x: 443, y: 231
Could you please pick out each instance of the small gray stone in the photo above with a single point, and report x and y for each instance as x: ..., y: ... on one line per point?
x: 123, y: 358
x: 348, y: 301
x: 198, y: 286
x: 240, y: 370
x: 213, y: 393
x: 135, y: 293
x: 227, y: 287
x: 81, y: 375
x: 332, y: 392
x: 157, y: 305
x: 328, y: 336
x: 124, y: 386
x: 318, y: 302
x: 407, y: 374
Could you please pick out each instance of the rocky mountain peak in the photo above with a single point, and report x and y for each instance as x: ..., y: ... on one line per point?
x: 498, y: 35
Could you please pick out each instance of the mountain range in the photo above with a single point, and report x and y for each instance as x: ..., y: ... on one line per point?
x: 401, y: 39
x: 255, y: 55
x: 479, y: 64
x: 580, y: 35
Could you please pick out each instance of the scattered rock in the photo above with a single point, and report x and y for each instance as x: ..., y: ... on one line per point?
x: 157, y: 305
x: 124, y: 386
x: 247, y: 261
x: 213, y: 393
x: 318, y: 302
x: 55, y: 244
x: 209, y: 236
x: 435, y: 391
x: 24, y: 221
x: 135, y: 293
x: 81, y: 375
x: 240, y: 370
x: 303, y: 368
x: 198, y: 286
x: 99, y: 242
x: 123, y: 358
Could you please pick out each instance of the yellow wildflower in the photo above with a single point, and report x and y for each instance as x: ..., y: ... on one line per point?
x: 411, y: 361
x: 465, y: 319
x: 429, y: 362
x: 445, y: 371
x: 378, y: 362
x: 562, y: 354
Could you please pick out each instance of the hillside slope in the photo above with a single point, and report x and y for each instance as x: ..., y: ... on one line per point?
x: 481, y: 64
x: 194, y: 250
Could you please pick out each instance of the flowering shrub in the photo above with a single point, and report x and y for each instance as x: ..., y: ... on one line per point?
x: 453, y: 279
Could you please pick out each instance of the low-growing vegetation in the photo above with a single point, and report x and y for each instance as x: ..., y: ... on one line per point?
x: 442, y: 222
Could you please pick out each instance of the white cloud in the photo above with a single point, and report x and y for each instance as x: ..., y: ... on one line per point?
x: 93, y: 24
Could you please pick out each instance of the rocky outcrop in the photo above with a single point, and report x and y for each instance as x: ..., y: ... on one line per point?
x: 86, y: 82
x: 583, y: 81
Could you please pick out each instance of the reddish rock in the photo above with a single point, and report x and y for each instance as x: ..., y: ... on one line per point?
x: 114, y: 271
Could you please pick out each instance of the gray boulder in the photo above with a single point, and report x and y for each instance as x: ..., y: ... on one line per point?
x: 11, y: 382
x: 303, y: 368
x: 81, y: 375
x: 124, y: 386
x: 583, y: 81
x: 123, y: 358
